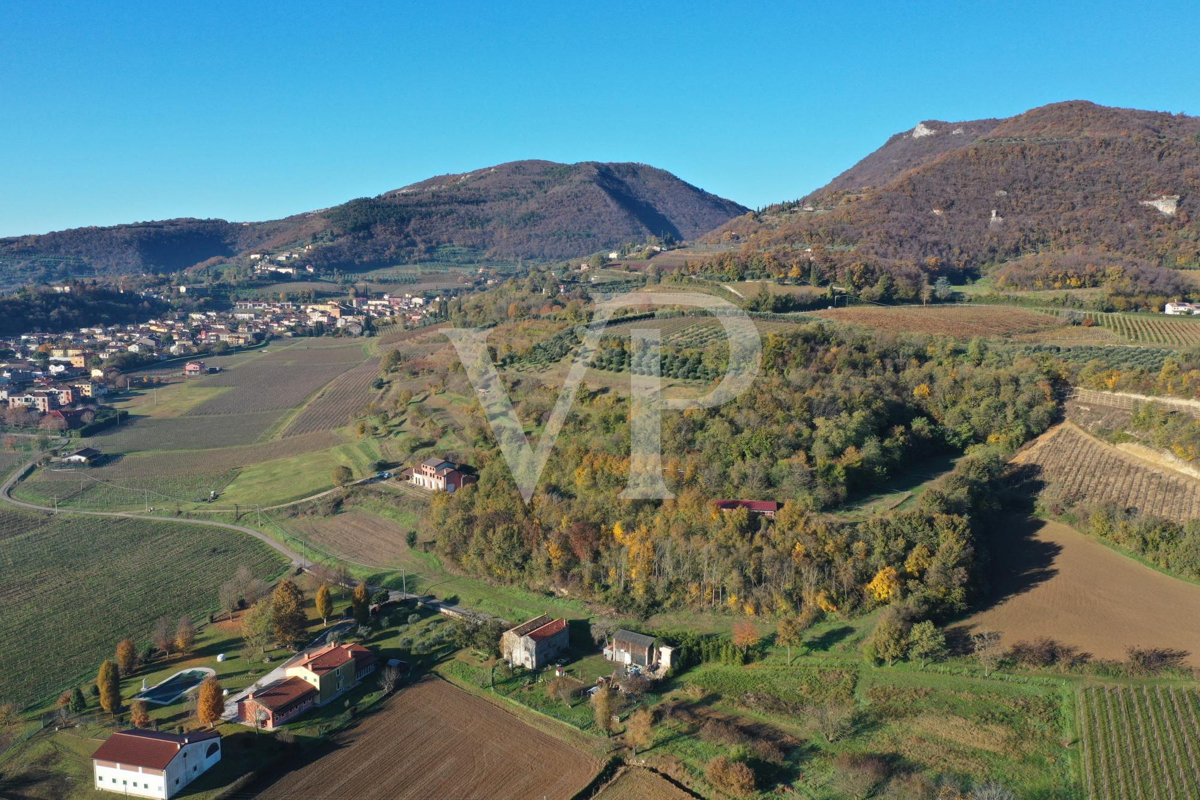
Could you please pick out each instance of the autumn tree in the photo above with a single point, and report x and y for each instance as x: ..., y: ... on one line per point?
x: 342, y: 475
x: 210, y: 704
x: 185, y: 634
x: 258, y: 626
x: 229, y: 595
x: 733, y: 777
x: 108, y: 682
x: 139, y: 715
x: 163, y: 636
x: 126, y: 656
x: 926, y: 643
x: 602, y: 709
x: 360, y: 601
x: 639, y: 730
x: 792, y: 628
x: 324, y: 604
x: 746, y: 635
x: 287, y: 613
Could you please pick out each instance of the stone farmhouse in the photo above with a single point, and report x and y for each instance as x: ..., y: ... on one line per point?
x: 535, y: 643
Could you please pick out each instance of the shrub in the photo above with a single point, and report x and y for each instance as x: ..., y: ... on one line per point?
x: 734, y: 777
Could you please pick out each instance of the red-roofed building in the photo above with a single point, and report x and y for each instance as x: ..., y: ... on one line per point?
x: 764, y: 508
x: 333, y: 669
x: 152, y: 764
x: 276, y: 703
x: 535, y: 643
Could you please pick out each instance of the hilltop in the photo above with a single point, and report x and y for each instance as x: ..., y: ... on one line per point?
x: 954, y: 197
x: 537, y: 210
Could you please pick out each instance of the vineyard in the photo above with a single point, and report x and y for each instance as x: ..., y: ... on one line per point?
x: 268, y: 386
x: 123, y: 575
x: 344, y: 397
x: 1140, y: 741
x: 1152, y: 330
x: 186, y: 432
x: 92, y: 489
x: 1091, y: 470
x: 957, y: 321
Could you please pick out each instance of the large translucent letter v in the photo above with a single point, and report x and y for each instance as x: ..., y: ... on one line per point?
x: 645, y: 471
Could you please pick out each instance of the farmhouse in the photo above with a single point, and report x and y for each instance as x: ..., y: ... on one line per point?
x: 193, y: 369
x: 313, y: 680
x: 535, y: 643
x: 438, y: 475
x: 333, y: 669
x: 87, y: 456
x: 151, y: 764
x: 1181, y: 309
x: 638, y: 649
x: 763, y: 508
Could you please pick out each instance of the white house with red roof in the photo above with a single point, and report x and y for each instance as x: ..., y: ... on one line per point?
x: 141, y: 763
x: 763, y: 508
x: 535, y: 643
x: 438, y: 475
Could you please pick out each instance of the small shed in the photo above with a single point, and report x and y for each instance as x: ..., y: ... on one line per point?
x: 632, y: 648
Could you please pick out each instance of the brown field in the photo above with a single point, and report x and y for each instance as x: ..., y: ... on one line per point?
x: 635, y: 783
x: 345, y: 396
x: 355, y: 536
x: 1052, y: 581
x: 306, y: 352
x: 1089, y: 469
x: 409, y: 335
x: 958, y: 321
x: 435, y: 740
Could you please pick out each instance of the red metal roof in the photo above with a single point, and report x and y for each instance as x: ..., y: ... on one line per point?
x: 753, y: 505
x: 548, y: 630
x: 149, y: 749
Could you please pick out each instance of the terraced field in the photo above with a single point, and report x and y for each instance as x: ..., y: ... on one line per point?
x: 1140, y: 741
x: 1090, y: 469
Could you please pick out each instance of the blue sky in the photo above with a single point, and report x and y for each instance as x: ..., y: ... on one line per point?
x: 255, y: 111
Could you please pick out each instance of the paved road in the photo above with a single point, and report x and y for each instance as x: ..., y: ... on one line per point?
x: 6, y: 490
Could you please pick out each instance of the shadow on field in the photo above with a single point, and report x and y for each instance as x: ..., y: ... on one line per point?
x: 1019, y: 560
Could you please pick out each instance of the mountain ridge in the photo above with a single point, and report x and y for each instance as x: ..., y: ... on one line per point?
x: 532, y: 209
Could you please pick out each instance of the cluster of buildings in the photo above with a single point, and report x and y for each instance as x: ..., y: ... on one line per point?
x: 314, y: 680
x: 1182, y: 309
x: 281, y: 318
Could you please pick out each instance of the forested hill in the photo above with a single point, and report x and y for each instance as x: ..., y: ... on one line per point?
x: 956, y: 196
x: 523, y: 209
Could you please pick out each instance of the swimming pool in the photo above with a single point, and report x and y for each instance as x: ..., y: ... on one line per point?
x: 176, y: 686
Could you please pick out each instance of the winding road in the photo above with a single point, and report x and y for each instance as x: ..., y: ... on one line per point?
x: 6, y: 495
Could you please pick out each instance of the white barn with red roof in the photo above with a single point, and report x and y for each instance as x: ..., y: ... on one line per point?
x: 153, y: 764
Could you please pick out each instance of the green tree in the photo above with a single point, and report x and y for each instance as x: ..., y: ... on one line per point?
x: 287, y: 613
x: 926, y: 643
x: 108, y: 681
x: 889, y: 640
x: 78, y: 703
x: 324, y: 604
x: 258, y: 626
x: 410, y: 539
